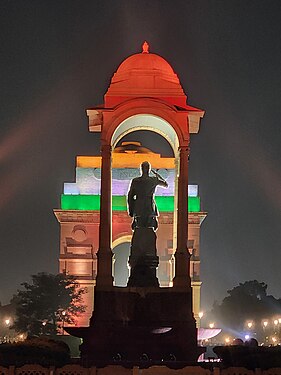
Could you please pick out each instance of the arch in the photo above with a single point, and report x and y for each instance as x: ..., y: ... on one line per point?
x: 120, y: 269
x: 146, y: 122
x: 121, y: 239
x: 170, y: 122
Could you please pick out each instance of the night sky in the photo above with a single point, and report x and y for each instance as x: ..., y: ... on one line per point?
x: 56, y: 60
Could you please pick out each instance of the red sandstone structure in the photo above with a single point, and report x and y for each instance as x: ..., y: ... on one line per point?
x: 136, y: 322
x: 79, y: 222
x: 146, y: 75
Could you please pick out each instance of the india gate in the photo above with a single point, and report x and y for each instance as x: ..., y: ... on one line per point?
x: 95, y: 227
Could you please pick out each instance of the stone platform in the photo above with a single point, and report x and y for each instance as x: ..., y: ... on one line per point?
x: 140, y: 324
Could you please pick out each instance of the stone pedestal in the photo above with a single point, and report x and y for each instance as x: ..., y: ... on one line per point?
x: 140, y: 327
x: 141, y: 324
x: 143, y: 259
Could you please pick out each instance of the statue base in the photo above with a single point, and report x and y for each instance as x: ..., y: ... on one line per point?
x: 142, y: 324
x: 143, y: 260
x: 140, y: 327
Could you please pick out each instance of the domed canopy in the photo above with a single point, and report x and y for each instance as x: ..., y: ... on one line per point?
x: 145, y: 75
x: 144, y: 85
x: 146, y: 61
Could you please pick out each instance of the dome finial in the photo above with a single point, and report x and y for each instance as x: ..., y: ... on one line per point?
x: 145, y: 47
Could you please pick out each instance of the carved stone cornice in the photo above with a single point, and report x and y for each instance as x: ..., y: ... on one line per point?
x: 79, y: 216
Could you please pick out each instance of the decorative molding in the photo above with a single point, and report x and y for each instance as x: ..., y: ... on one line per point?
x: 70, y: 216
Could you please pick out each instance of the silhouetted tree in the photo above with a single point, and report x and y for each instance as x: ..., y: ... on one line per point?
x: 43, y: 305
x: 247, y: 301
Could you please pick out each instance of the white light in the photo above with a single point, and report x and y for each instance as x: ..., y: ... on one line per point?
x: 247, y: 337
x: 7, y: 322
x: 70, y: 188
x: 201, y: 314
x: 211, y: 325
x: 193, y: 190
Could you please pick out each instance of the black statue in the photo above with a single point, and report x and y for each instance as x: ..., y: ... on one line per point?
x: 141, y: 203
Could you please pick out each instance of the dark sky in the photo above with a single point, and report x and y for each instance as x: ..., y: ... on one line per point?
x: 56, y: 60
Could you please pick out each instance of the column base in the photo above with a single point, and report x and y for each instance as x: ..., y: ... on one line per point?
x: 182, y: 269
x: 104, y: 272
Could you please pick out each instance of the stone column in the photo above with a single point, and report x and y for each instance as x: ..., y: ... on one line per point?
x: 104, y: 254
x: 182, y: 256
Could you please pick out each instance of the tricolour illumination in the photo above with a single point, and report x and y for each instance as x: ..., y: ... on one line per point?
x: 88, y: 182
x: 119, y: 203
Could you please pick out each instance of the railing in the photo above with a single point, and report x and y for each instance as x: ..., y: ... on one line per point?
x: 119, y: 370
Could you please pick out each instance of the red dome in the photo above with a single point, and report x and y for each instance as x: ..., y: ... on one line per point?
x: 145, y: 75
x: 145, y: 61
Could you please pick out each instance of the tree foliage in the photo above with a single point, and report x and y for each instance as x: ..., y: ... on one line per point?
x: 45, y: 304
x: 43, y: 351
x: 247, y: 301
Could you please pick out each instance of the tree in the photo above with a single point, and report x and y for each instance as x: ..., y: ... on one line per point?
x: 45, y: 304
x: 247, y: 301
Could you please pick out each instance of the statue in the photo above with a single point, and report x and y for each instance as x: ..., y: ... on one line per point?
x: 141, y: 203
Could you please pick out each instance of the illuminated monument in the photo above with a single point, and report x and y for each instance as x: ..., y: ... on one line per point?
x: 79, y: 220
x: 144, y: 94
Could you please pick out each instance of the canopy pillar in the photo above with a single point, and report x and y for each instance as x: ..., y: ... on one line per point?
x: 104, y: 254
x: 182, y: 256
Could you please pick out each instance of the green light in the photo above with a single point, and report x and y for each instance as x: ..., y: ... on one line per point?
x: 119, y: 203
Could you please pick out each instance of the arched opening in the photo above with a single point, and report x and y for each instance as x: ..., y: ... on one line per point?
x: 155, y: 137
x: 150, y: 140
x: 146, y: 122
x: 121, y: 252
x: 132, y: 150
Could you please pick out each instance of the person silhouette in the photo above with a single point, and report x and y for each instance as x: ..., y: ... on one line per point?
x: 141, y: 203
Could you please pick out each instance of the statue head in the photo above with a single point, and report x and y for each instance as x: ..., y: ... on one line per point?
x: 145, y: 167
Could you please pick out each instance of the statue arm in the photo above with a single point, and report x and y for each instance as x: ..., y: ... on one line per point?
x: 162, y: 182
x: 160, y: 179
